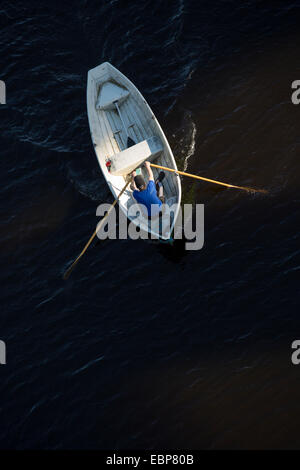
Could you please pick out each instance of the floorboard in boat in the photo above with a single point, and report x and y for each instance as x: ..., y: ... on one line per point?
x: 105, y: 145
x: 110, y: 132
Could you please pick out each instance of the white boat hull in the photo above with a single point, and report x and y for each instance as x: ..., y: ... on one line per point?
x: 109, y: 139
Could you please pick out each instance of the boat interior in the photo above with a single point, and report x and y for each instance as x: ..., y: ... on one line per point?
x: 127, y: 134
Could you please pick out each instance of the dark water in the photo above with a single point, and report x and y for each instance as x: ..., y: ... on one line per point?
x: 147, y: 346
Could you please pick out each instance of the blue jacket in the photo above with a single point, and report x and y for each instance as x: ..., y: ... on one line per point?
x: 147, y: 198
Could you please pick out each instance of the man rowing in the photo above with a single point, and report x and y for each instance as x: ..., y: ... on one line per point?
x: 150, y: 196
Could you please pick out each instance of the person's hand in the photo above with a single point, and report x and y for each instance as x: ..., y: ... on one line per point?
x: 147, y: 164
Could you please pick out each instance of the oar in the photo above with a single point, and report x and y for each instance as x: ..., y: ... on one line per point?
x: 70, y: 269
x: 209, y: 180
x: 130, y: 141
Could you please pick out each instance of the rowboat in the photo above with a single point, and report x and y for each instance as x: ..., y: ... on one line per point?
x: 125, y: 133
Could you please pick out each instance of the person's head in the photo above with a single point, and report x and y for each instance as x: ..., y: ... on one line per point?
x: 140, y: 182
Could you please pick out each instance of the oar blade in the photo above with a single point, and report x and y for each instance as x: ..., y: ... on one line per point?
x: 68, y: 272
x: 253, y: 190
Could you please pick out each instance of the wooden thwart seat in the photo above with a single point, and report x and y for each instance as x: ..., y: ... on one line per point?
x: 126, y: 161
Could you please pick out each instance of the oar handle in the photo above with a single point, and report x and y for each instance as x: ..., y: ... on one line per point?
x: 183, y: 173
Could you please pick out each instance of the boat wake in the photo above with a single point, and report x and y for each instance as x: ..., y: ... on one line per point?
x: 192, y: 144
x: 185, y: 137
